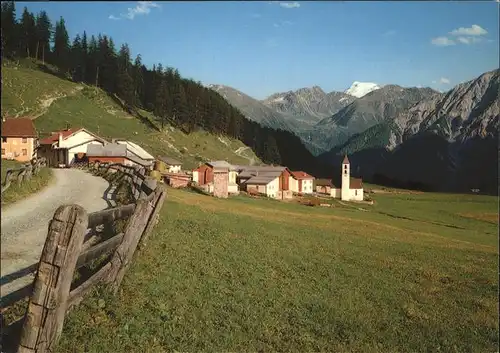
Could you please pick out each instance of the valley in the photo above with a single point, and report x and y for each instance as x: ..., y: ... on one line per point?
x: 410, y: 137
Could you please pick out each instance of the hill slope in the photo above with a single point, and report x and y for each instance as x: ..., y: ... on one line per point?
x: 56, y: 102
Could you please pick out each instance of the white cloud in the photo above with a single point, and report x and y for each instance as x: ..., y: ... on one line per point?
x: 474, y: 30
x: 256, y: 15
x: 442, y: 41
x: 444, y: 81
x: 275, y: 25
x: 290, y: 5
x: 469, y: 40
x: 142, y: 8
x: 390, y: 33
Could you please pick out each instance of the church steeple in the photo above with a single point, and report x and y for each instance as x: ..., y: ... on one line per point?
x: 346, y: 179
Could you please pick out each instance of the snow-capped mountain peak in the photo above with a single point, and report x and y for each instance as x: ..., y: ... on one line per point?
x: 359, y: 89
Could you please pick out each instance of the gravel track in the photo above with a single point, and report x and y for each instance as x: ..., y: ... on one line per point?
x: 25, y: 223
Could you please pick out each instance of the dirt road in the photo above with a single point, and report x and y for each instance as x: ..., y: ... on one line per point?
x: 25, y: 223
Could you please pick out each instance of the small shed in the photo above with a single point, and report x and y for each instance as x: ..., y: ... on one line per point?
x: 323, y: 186
x: 168, y: 164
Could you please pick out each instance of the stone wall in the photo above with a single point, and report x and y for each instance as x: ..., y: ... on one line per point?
x: 221, y: 180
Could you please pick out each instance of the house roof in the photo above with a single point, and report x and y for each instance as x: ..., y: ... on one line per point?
x: 169, y: 161
x: 114, y: 150
x: 355, y: 183
x: 18, y: 127
x: 301, y: 175
x: 346, y: 160
x: 250, y: 171
x: 324, y: 182
x: 260, y: 180
x: 108, y: 150
x: 221, y: 164
x: 136, y: 149
x: 66, y: 134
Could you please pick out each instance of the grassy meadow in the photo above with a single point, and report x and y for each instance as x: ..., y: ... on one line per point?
x: 17, y: 192
x: 55, y: 102
x: 412, y: 273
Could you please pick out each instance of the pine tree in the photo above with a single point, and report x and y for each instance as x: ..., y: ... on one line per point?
x: 43, y: 35
x: 138, y: 77
x: 61, y: 53
x: 10, y: 33
x: 76, y: 59
x: 27, y: 30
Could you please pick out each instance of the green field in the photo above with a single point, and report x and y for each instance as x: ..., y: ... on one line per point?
x: 17, y: 192
x: 412, y: 273
x: 56, y: 103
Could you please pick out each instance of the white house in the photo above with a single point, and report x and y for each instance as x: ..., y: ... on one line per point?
x: 137, y: 151
x: 273, y: 181
x: 172, y: 165
x: 301, y: 182
x: 64, y: 147
x: 351, y: 189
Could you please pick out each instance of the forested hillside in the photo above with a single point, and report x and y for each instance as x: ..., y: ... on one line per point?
x: 183, y: 103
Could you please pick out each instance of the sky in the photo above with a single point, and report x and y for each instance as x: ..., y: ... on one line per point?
x: 265, y: 47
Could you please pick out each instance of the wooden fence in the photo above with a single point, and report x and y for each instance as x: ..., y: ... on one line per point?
x: 23, y: 173
x: 76, y: 239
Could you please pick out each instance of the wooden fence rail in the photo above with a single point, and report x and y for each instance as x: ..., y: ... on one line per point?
x: 23, y: 173
x: 76, y: 239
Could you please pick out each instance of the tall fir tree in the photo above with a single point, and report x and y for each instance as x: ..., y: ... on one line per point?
x: 10, y: 30
x: 27, y: 29
x: 61, y: 53
x: 43, y: 36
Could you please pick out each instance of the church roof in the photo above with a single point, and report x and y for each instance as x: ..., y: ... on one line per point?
x: 346, y: 160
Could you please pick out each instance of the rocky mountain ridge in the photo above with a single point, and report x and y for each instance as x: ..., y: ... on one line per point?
x: 446, y: 142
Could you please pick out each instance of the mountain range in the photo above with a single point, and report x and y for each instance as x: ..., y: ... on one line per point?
x: 411, y: 136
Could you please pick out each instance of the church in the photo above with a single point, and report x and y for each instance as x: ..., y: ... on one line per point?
x: 350, y: 189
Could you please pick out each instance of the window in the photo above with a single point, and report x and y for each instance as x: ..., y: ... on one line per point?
x: 25, y: 140
x: 4, y: 139
x: 356, y: 192
x: 3, y: 151
x: 25, y: 152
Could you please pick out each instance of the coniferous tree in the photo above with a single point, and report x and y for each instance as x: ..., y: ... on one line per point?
x: 61, y: 53
x: 27, y: 29
x: 185, y: 103
x: 10, y: 33
x: 43, y: 36
x: 76, y: 59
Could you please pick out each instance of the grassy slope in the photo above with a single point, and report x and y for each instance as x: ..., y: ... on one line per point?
x: 411, y: 273
x: 14, y: 192
x: 29, y: 91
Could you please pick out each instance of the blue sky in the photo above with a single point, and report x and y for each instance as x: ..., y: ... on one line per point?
x: 266, y: 47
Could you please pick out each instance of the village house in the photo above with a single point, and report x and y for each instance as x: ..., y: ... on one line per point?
x: 301, y: 182
x: 138, y: 151
x: 323, y: 186
x: 19, y: 139
x: 204, y: 176
x: 65, y: 147
x: 273, y: 181
x: 114, y: 153
x: 167, y: 164
x: 351, y: 189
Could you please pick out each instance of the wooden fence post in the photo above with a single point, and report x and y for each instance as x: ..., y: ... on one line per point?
x: 157, y: 203
x: 47, y: 306
x: 124, y: 253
